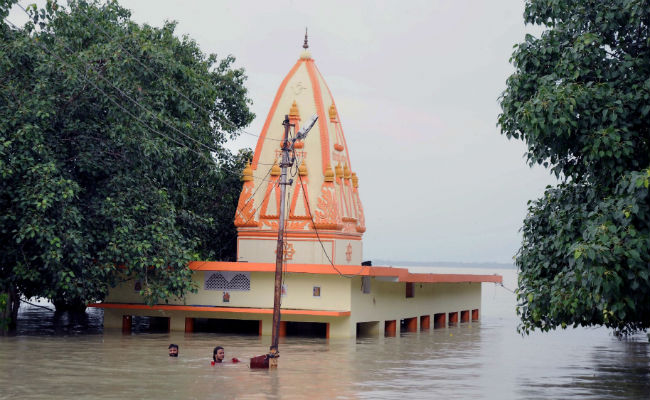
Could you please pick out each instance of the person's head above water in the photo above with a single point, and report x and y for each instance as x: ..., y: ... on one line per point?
x: 218, y: 354
x: 173, y: 350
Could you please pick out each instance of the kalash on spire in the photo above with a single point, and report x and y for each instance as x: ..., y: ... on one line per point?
x: 323, y: 204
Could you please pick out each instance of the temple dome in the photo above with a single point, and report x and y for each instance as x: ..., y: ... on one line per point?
x: 329, y: 198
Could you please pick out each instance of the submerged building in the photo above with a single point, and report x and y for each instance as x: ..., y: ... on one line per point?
x: 326, y: 288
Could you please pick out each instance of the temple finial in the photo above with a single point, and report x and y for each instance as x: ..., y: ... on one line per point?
x: 305, y: 45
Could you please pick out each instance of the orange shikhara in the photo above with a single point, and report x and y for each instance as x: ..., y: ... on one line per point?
x: 324, y: 195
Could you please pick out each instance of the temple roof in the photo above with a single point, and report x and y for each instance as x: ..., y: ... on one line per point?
x: 324, y: 193
x: 390, y: 273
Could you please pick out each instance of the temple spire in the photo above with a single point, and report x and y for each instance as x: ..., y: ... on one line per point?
x: 305, y: 45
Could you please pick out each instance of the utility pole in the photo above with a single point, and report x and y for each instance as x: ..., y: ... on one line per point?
x: 279, y: 258
x: 270, y: 360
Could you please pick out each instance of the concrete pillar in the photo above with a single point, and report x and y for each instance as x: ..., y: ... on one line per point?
x: 267, y: 325
x: 127, y: 323
x: 342, y: 328
x: 439, y: 320
x: 189, y: 325
x: 453, y: 318
x: 425, y: 322
x: 390, y: 328
x: 177, y: 322
x: 464, y: 316
x: 112, y: 319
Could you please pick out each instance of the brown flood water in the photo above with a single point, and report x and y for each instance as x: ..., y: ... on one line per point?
x: 56, y: 357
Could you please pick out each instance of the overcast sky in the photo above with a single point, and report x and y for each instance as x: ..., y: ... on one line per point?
x: 416, y: 85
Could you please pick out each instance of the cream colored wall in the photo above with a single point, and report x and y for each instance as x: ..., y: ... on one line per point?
x: 387, y: 300
x: 263, y: 250
x: 298, y: 89
x: 335, y: 293
x: 341, y: 248
x: 307, y: 251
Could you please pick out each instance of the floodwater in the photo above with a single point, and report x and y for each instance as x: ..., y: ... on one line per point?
x: 57, y: 357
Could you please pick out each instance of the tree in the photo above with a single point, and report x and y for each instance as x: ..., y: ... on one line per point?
x: 111, y: 155
x: 580, y: 99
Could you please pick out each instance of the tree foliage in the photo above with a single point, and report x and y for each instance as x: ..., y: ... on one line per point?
x: 111, y: 154
x: 580, y: 99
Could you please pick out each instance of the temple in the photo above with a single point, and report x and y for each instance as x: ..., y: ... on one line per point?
x: 326, y: 290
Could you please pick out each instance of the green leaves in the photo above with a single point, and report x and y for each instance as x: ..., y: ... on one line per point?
x: 580, y: 99
x: 95, y: 187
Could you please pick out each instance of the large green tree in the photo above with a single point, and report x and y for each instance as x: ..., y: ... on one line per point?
x: 112, y: 163
x: 580, y: 100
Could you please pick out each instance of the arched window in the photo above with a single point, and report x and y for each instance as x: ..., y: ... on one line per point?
x: 227, y: 280
x: 239, y: 282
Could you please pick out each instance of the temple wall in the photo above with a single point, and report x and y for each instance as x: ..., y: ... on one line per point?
x: 334, y: 293
x: 388, y: 301
x: 301, y: 250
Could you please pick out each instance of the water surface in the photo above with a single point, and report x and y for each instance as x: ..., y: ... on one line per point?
x: 59, y: 357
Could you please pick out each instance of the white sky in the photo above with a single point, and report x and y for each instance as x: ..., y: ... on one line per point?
x: 416, y: 86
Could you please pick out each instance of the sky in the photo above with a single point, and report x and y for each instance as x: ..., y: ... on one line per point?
x: 416, y: 85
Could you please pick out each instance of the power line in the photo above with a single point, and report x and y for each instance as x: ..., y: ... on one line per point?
x: 183, y: 134
x: 121, y: 107
x: 510, y: 290
x: 320, y: 241
x: 173, y: 87
x: 253, y: 197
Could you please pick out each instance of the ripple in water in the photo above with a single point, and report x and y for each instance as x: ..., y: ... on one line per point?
x: 60, y: 356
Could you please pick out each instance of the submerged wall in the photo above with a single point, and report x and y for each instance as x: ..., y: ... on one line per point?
x: 335, y: 300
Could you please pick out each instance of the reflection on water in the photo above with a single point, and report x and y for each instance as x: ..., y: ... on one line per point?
x: 39, y: 321
x: 64, y: 356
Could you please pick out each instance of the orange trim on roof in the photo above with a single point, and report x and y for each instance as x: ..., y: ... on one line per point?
x: 254, y: 233
x: 452, y: 278
x: 320, y: 110
x: 278, y: 96
x: 402, y: 274
x: 168, y: 307
x: 325, y: 269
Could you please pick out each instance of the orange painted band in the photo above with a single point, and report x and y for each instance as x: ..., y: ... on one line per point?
x: 451, y: 278
x: 320, y: 110
x: 345, y: 144
x: 168, y: 307
x: 256, y: 233
x: 401, y: 274
x: 323, y: 269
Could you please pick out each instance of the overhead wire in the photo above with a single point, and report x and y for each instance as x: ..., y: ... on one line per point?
x: 173, y: 87
x: 143, y: 123
x: 253, y: 197
x: 509, y: 290
x: 285, y: 267
x: 147, y: 126
x: 321, y: 242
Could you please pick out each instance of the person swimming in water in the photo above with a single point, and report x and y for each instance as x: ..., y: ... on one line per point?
x: 173, y: 350
x: 218, y: 356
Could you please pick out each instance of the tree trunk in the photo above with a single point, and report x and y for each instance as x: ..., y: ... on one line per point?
x: 9, y: 313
